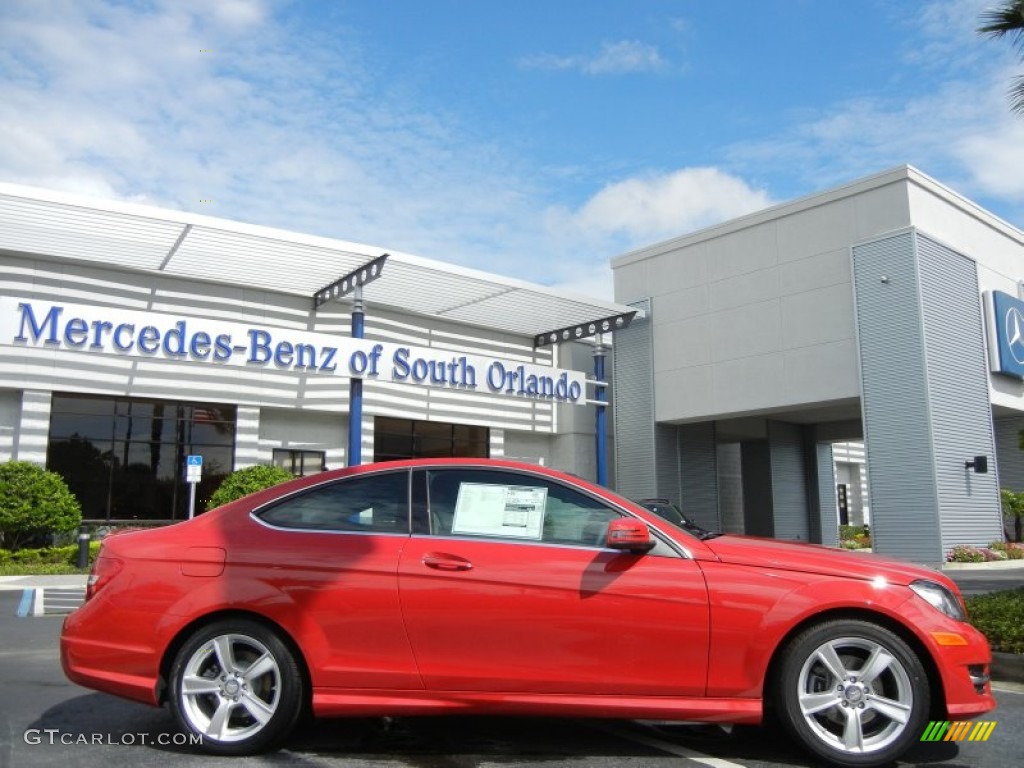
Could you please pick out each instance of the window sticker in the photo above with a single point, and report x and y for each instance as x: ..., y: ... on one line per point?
x: 513, y: 511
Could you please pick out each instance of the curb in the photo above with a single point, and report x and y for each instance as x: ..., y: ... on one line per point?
x: 1007, y: 668
x: 994, y: 565
x: 48, y: 581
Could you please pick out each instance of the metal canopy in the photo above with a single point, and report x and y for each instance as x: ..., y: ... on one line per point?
x: 192, y: 246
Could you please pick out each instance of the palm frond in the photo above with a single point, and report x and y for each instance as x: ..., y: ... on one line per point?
x: 1017, y: 96
x: 1003, y: 21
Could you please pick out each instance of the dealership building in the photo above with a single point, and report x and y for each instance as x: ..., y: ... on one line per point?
x: 132, y: 338
x: 859, y: 349
x: 885, y: 314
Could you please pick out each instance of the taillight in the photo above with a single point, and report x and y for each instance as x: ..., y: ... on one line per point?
x: 103, y: 570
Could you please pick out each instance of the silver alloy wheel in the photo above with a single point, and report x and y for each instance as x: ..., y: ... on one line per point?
x: 230, y: 687
x: 855, y: 695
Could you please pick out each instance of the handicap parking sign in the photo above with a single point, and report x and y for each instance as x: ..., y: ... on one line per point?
x: 193, y: 469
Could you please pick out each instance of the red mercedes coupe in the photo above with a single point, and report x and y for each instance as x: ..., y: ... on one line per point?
x: 469, y: 586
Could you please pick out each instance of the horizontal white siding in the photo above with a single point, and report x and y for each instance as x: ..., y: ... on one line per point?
x: 81, y: 371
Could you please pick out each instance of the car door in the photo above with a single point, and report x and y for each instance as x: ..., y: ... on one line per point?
x: 505, y: 586
x: 333, y: 551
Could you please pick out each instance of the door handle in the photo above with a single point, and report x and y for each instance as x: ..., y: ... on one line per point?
x: 443, y: 562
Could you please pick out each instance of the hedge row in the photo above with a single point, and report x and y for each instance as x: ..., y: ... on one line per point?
x: 1000, y: 617
x: 47, y: 555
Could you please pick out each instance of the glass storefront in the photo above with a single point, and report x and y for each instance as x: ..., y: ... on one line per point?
x: 395, y: 439
x: 124, y: 458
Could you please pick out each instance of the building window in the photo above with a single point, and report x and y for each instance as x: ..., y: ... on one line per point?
x: 300, y: 463
x: 124, y: 458
x: 395, y: 439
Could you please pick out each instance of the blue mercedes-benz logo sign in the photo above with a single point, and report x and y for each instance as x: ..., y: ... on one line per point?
x: 1015, y: 334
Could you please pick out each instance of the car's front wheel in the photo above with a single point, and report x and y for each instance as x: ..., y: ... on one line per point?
x: 236, y: 685
x: 853, y: 692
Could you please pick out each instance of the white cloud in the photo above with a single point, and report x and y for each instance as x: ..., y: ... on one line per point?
x: 995, y: 159
x: 636, y: 212
x: 115, y: 99
x: 595, y: 280
x: 622, y: 57
x: 655, y: 207
x: 949, y: 133
x: 955, y: 125
x: 123, y: 101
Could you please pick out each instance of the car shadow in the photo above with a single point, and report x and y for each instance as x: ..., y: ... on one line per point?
x: 436, y: 742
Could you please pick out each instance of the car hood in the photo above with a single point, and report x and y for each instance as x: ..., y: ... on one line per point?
x: 815, y: 558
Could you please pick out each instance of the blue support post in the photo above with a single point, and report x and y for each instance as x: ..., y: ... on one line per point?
x: 601, y: 417
x: 355, y: 398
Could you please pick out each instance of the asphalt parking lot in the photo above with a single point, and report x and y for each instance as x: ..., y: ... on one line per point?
x: 47, y: 721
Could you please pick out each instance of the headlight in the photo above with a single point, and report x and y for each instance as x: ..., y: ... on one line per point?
x: 941, y: 598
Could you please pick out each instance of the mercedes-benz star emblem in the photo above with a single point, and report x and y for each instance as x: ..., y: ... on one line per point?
x: 1015, y: 334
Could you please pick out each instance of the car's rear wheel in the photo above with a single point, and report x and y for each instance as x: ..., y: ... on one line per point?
x: 238, y: 686
x: 853, y: 692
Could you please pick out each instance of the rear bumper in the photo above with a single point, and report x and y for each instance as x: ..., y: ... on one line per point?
x: 108, y: 664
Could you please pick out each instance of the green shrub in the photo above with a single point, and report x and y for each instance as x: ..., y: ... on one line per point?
x: 850, y: 531
x: 45, y: 560
x: 246, y: 481
x: 854, y: 537
x: 964, y: 553
x: 1011, y: 550
x: 34, y: 503
x: 1000, y: 617
x: 1013, y: 509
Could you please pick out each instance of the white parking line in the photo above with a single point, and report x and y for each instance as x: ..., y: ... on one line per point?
x: 1008, y: 687
x: 650, y: 740
x: 52, y: 601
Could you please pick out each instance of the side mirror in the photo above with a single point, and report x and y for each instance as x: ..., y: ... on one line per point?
x: 630, y: 535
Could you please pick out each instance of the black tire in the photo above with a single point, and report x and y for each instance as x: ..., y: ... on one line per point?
x: 853, y: 693
x: 238, y: 686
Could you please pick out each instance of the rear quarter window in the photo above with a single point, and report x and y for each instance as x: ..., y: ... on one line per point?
x: 372, y: 503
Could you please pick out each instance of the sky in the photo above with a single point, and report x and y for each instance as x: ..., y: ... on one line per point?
x: 536, y: 139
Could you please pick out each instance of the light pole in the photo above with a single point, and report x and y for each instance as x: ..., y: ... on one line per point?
x: 596, y: 329
x: 353, y: 283
x: 601, y: 415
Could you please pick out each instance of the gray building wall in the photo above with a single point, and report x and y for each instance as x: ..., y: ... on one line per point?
x: 969, y: 507
x: 635, y: 449
x: 10, y: 414
x: 822, y: 493
x: 730, y: 486
x: 925, y: 396
x: 698, y: 474
x: 897, y: 426
x: 789, y: 485
x: 769, y: 318
x: 1010, y: 456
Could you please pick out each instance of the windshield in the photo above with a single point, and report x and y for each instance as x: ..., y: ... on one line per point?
x: 670, y: 512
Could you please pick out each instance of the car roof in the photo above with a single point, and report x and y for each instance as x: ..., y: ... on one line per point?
x: 477, y: 463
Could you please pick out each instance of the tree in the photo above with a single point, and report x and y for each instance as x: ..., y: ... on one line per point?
x: 1008, y: 20
x: 33, y: 503
x: 249, y: 480
x: 1013, y: 506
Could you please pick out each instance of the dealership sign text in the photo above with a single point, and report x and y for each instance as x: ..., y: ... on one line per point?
x: 150, y: 335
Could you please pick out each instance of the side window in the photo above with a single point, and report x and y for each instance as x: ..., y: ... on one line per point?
x: 471, y: 502
x: 378, y: 502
